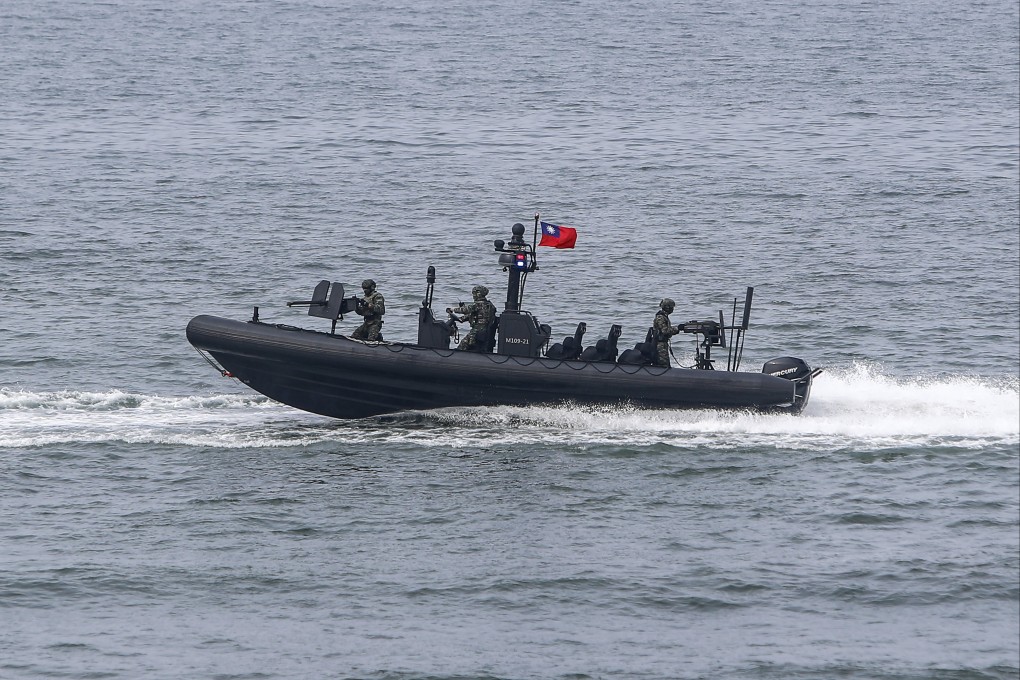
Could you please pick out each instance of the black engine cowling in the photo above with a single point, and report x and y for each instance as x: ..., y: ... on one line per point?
x: 790, y: 368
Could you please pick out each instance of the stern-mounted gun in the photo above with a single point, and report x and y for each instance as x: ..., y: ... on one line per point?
x: 714, y: 335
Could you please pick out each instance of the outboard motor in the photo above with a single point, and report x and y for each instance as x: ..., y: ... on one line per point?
x: 796, y: 371
x: 790, y: 368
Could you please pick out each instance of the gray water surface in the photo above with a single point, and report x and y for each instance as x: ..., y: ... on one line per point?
x: 858, y: 164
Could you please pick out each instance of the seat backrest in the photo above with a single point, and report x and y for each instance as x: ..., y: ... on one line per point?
x: 579, y: 332
x: 488, y: 341
x: 570, y: 348
x: 600, y: 352
x: 632, y: 357
x: 614, y: 334
x: 643, y: 352
x: 433, y: 333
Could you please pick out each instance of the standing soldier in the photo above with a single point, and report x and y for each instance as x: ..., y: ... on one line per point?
x: 480, y: 313
x: 372, y: 307
x: 663, y: 332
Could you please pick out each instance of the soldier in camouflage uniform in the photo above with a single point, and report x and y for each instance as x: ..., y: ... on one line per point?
x: 372, y: 307
x: 663, y: 332
x: 480, y: 314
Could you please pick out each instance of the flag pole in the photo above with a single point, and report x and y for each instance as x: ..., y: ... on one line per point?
x: 534, y: 244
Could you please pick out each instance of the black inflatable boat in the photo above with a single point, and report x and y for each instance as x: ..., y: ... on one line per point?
x: 338, y: 376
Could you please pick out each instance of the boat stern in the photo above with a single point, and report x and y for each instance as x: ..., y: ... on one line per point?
x: 796, y: 371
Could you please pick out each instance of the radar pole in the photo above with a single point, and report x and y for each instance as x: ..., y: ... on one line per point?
x: 517, y: 257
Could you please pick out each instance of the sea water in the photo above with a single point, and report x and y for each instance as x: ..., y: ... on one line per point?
x: 857, y: 163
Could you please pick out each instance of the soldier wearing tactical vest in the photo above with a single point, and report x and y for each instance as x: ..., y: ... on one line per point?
x: 372, y: 307
x: 480, y: 314
x: 663, y: 332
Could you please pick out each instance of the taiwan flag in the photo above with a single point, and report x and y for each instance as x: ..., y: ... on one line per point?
x: 557, y: 236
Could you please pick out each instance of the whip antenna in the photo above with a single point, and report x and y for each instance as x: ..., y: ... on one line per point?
x: 743, y: 327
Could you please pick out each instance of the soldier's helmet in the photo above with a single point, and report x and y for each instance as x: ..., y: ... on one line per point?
x: 368, y: 285
x: 478, y: 292
x: 667, y: 305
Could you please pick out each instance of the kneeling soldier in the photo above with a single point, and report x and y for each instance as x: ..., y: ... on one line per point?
x: 372, y: 307
x: 480, y: 313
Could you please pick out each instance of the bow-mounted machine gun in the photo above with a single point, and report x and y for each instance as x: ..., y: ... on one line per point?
x: 714, y: 335
x: 328, y: 302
